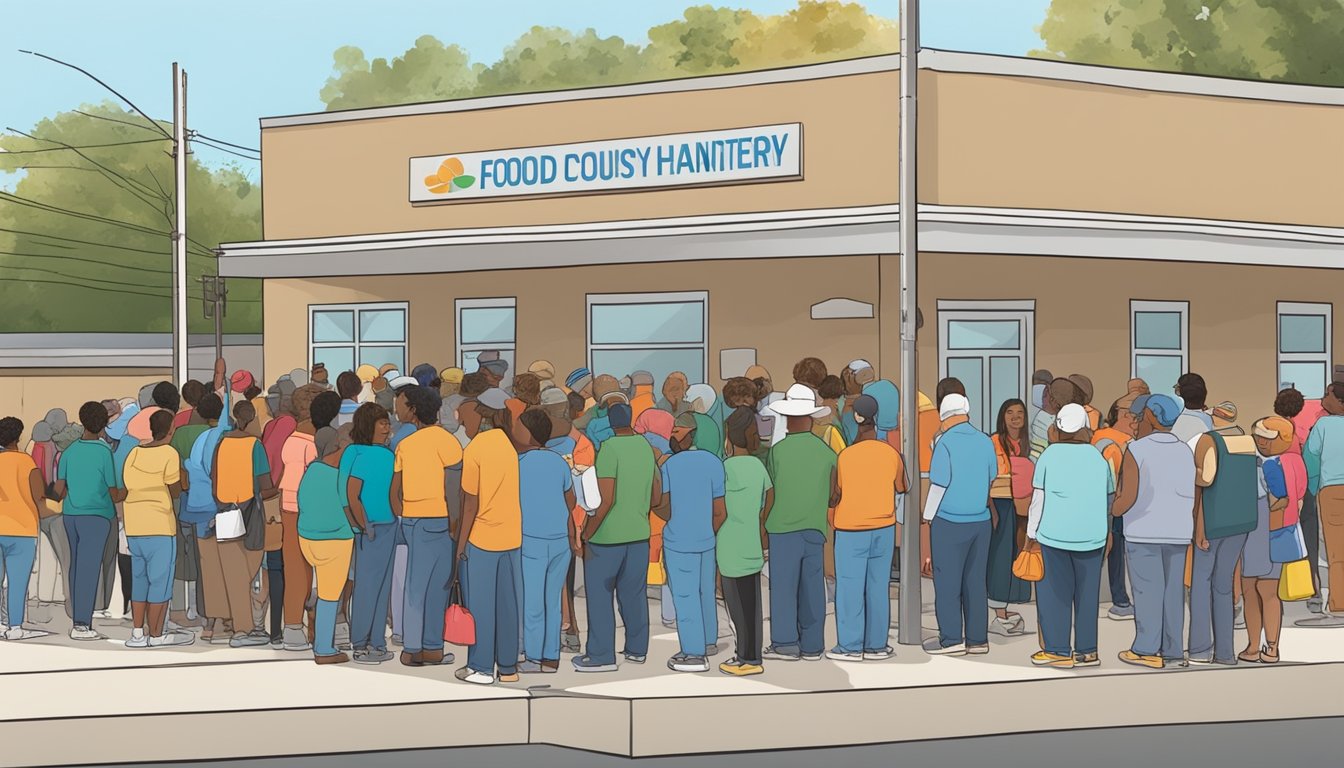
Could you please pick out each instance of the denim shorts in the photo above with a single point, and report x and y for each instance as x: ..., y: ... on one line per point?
x: 152, y: 562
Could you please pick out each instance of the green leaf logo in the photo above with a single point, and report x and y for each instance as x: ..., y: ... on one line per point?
x: 464, y: 181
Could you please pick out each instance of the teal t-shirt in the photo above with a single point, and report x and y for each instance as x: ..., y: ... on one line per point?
x: 1076, y: 481
x: 738, y: 548
x: 88, y: 471
x: 628, y: 459
x: 321, y: 513
x: 372, y: 464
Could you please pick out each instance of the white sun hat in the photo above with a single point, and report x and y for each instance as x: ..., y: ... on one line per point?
x: 800, y: 400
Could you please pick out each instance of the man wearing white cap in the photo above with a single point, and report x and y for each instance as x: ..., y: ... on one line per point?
x: 957, y: 531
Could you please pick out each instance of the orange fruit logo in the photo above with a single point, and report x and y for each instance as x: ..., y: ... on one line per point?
x: 451, y: 175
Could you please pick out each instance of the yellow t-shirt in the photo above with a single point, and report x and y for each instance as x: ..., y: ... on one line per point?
x: 18, y: 512
x: 490, y: 473
x: 421, y: 459
x: 148, y: 508
x: 870, y: 473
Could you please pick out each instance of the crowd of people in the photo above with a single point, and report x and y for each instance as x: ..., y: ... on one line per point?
x: 319, y: 518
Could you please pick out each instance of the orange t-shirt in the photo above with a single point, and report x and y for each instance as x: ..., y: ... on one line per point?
x: 236, y: 469
x: 929, y: 424
x: 870, y: 473
x: 640, y: 403
x: 1115, y: 453
x: 18, y: 511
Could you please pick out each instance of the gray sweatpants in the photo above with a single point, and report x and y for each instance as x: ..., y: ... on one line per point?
x: 1211, y: 603
x: 1157, y: 581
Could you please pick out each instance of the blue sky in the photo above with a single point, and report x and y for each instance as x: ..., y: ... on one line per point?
x: 248, y: 59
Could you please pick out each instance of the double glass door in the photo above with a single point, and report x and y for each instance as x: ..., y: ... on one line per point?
x: 990, y: 350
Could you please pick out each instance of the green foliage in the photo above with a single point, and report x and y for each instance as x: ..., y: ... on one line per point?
x: 1300, y: 41
x: 706, y: 40
x: 69, y: 273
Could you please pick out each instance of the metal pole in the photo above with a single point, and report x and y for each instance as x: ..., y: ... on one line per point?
x: 909, y: 607
x: 180, y: 225
x: 219, y: 317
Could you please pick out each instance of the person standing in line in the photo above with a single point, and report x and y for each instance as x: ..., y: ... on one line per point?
x: 830, y: 393
x: 153, y: 479
x: 673, y: 400
x: 199, y: 509
x: 86, y: 482
x: 365, y: 482
x: 348, y: 386
x: 1225, y: 512
x: 1012, y: 442
x: 1083, y: 392
x: 489, y: 546
x: 1281, y: 468
x: 326, y: 540
x: 1112, y: 440
x: 1323, y: 455
x: 870, y: 475
x: 616, y: 535
x: 741, y: 541
x: 606, y: 392
x: 708, y: 433
x: 1156, y: 498
x: 1304, y: 414
x: 299, y: 450
x: 419, y: 499
x: 803, y: 471
x: 1069, y: 525
x: 693, y: 498
x: 1058, y: 394
x: 22, y: 505
x: 550, y: 538
x: 577, y: 450
x: 1195, y: 418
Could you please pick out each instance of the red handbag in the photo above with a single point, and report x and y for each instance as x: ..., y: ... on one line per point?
x: 459, y: 627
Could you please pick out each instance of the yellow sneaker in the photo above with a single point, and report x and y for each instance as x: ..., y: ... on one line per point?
x: 513, y: 678
x: 740, y: 669
x: 1152, y: 662
x: 1047, y: 659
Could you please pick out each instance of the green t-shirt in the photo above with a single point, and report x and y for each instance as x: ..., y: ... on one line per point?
x: 629, y: 460
x: 185, y: 437
x: 801, y: 466
x: 739, y: 540
x: 88, y: 471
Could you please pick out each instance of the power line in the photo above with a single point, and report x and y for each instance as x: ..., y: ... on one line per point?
x: 91, y: 160
x: 87, y: 261
x: 108, y: 290
x: 115, y: 120
x: 198, y: 134
x: 86, y: 146
x: 138, y: 196
x: 13, y: 198
x: 69, y: 276
x: 81, y: 242
x: 91, y: 76
x: 204, y: 143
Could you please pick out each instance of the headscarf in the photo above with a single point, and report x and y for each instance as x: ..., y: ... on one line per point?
x: 654, y: 421
x: 56, y: 419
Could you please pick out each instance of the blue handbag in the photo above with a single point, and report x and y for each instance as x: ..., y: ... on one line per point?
x: 1286, y: 545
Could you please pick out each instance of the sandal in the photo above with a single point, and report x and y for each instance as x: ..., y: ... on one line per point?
x: 1251, y: 657
x: 1267, y: 658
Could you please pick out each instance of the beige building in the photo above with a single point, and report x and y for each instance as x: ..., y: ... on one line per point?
x: 1072, y: 218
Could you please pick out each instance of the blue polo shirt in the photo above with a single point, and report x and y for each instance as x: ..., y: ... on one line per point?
x: 694, y: 479
x: 965, y: 465
x: 543, y: 479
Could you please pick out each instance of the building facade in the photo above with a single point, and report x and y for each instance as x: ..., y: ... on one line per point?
x: 1074, y: 218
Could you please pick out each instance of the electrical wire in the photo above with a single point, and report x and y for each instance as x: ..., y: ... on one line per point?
x: 17, y: 200
x: 95, y: 79
x: 62, y: 144
x: 205, y: 143
x: 81, y: 242
x: 69, y: 276
x: 123, y: 122
x: 88, y: 261
x: 86, y: 146
x: 225, y: 143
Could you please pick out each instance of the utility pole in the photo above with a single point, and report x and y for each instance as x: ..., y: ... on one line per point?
x: 215, y: 293
x: 180, y: 225
x: 908, y: 632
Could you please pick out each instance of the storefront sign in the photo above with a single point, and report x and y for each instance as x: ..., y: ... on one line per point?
x: 769, y: 152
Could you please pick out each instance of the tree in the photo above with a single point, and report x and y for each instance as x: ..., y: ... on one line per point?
x: 706, y: 40
x: 84, y: 237
x: 1298, y: 41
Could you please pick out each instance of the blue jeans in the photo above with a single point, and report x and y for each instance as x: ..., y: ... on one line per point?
x: 545, y: 564
x: 1211, y: 605
x: 961, y: 600
x: 690, y: 575
x: 152, y: 561
x: 797, y: 592
x: 1115, y: 562
x: 88, y: 539
x: 373, y: 586
x: 1070, y: 594
x: 17, y: 554
x: 618, y: 572
x: 1157, y: 577
x: 491, y: 581
x: 429, y: 572
x: 862, y: 600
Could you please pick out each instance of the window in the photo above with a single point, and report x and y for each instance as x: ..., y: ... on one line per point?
x: 655, y: 332
x: 345, y: 336
x: 1159, y: 342
x: 987, y: 345
x: 1304, y: 347
x: 486, y: 324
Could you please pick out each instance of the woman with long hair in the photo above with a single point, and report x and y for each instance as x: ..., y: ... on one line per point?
x: 1010, y: 497
x: 1282, y: 490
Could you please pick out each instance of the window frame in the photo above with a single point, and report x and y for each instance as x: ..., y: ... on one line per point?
x: 672, y: 297
x: 355, y: 308
x: 494, y: 302
x: 1324, y: 310
x: 1181, y: 308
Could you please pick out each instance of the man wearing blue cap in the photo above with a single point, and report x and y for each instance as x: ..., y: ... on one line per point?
x: 1156, y: 498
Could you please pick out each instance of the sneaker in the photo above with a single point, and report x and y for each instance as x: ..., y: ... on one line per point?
x: 331, y: 658
x: 138, y: 642
x: 1316, y: 605
x: 254, y: 639
x: 1134, y: 659
x: 840, y: 654
x: 103, y: 614
x: 879, y: 655
x: 934, y: 647
x: 84, y: 633
x: 1086, y: 660
x: 684, y: 663
x: 469, y: 675
x: 712, y: 650
x: 570, y: 643
x: 635, y: 658
x: 1200, y: 659
x: 586, y: 664
x: 1321, y: 622
x: 436, y: 657
x: 1047, y: 659
x: 775, y: 654
x: 295, y: 639
x: 1121, y: 613
x: 175, y: 638
x: 19, y: 633
x: 372, y: 656
x: 669, y: 624
x: 278, y: 642
x: 509, y: 677
x: 812, y: 656
x: 530, y: 667
x: 738, y: 668
x: 977, y: 650
x: 396, y: 640
x: 1008, y: 627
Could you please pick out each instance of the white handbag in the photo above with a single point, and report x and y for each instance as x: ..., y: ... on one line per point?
x: 586, y: 491
x: 229, y: 524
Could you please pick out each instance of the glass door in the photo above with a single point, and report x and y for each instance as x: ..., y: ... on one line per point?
x: 990, y: 351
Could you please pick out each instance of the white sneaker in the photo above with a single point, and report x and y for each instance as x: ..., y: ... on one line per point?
x: 138, y: 642
x: 19, y: 633
x: 1006, y: 627
x: 104, y: 614
x: 81, y: 632
x: 172, y: 638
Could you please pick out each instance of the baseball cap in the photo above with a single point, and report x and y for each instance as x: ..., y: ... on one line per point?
x: 497, y: 367
x: 424, y: 373
x: 366, y: 373
x: 683, y: 425
x: 240, y: 381
x: 403, y: 381
x: 494, y: 399
x: 641, y: 378
x: 1071, y: 418
x: 865, y: 406
x: 619, y: 416
x: 554, y: 396
x: 1226, y: 410
x: 578, y: 378
x: 1165, y: 408
x: 451, y: 375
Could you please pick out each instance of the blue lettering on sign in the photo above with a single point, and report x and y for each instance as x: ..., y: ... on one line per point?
x: 571, y: 163
x: 666, y: 156
x: 547, y: 169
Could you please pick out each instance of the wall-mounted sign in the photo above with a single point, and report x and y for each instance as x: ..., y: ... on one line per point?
x: 768, y: 152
